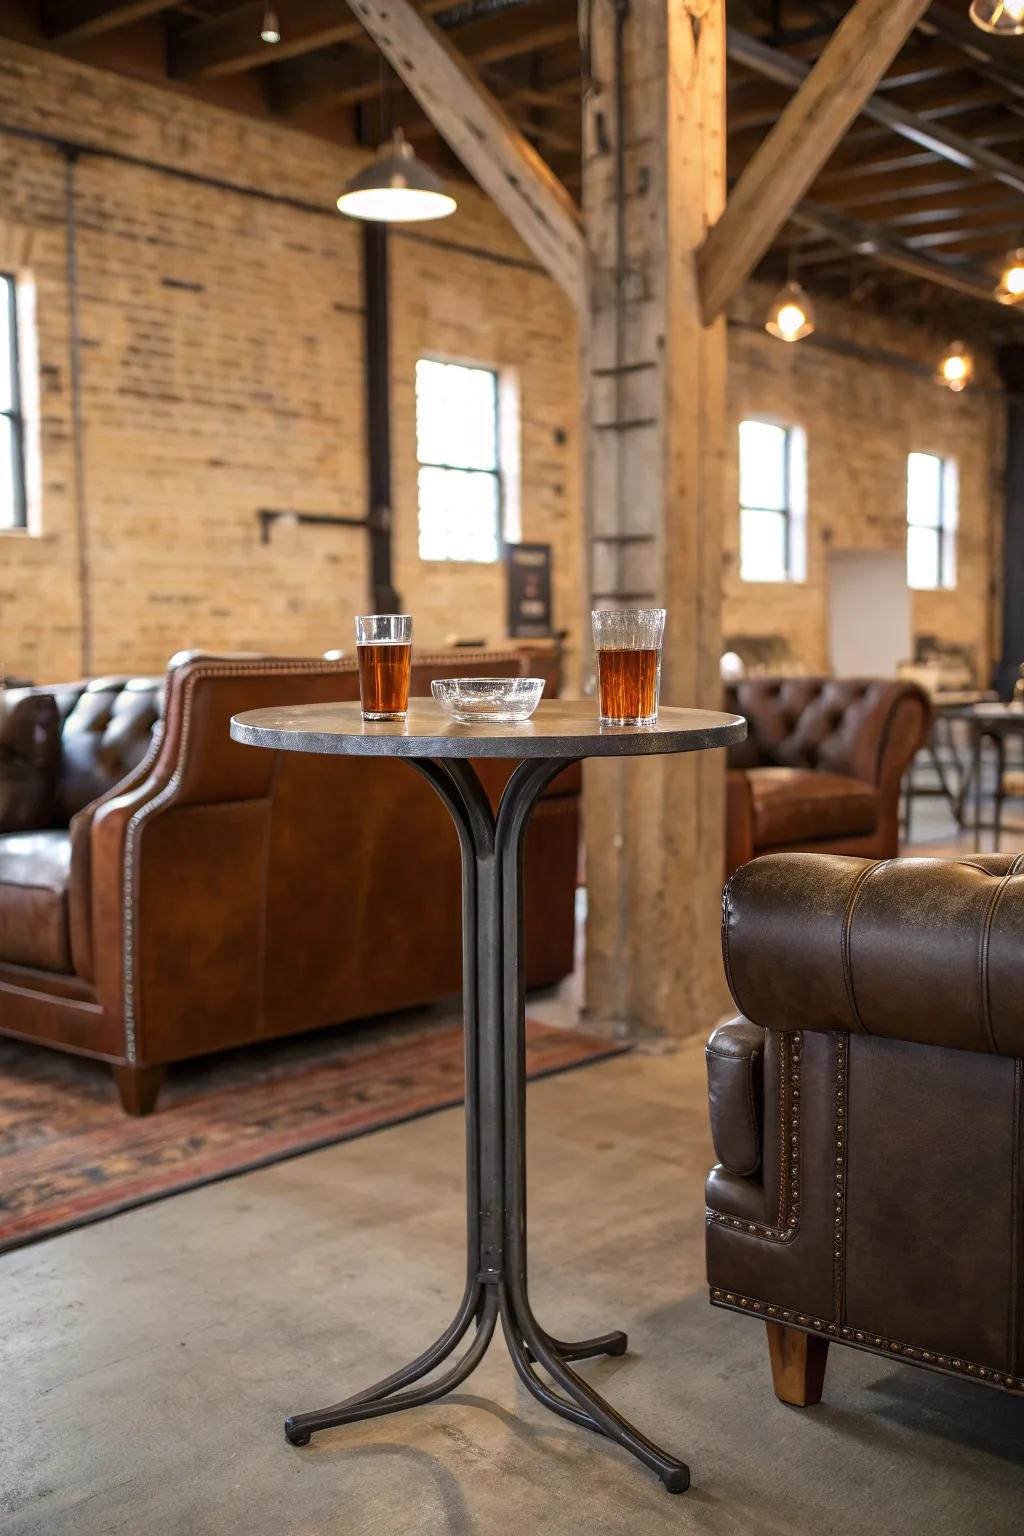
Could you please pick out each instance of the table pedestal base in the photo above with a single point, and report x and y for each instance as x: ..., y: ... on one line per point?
x: 494, y: 1012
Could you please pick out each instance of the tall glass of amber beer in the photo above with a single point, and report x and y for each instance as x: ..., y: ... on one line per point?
x: 384, y: 648
x: 628, y: 646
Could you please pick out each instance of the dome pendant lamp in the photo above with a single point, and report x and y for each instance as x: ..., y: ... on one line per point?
x: 396, y: 188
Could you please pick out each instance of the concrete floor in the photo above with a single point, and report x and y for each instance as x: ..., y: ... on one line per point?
x: 147, y: 1362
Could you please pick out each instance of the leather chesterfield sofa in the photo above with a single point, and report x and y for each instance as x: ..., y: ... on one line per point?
x: 868, y: 1114
x: 165, y: 892
x: 821, y: 767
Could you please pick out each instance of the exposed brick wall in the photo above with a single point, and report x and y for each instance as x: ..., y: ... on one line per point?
x: 862, y: 418
x: 222, y: 372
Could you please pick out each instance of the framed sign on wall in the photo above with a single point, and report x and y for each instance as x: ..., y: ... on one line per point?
x: 528, y: 588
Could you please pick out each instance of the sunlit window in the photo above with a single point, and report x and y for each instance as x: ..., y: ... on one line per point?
x: 931, y: 521
x: 772, y: 502
x: 12, y: 469
x: 457, y: 446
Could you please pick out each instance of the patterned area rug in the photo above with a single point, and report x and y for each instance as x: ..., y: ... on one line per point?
x: 69, y: 1155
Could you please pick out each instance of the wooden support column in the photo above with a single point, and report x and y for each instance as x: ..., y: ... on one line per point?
x: 654, y: 379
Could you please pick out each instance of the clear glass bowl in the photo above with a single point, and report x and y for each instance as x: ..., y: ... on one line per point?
x: 488, y: 700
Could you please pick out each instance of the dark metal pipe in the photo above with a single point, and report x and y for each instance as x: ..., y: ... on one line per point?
x: 377, y: 368
x: 76, y: 147
x: 77, y: 417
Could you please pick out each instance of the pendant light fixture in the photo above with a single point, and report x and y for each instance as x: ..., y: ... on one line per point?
x: 791, y: 316
x: 1004, y: 17
x: 396, y: 188
x: 1011, y: 283
x: 956, y: 367
x: 270, y: 31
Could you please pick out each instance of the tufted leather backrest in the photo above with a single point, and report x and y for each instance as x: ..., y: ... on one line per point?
x: 839, y: 725
x: 106, y: 725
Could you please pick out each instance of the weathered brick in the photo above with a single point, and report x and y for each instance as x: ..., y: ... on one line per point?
x: 222, y: 371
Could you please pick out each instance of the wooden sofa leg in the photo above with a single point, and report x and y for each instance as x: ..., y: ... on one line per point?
x: 138, y: 1087
x: 798, y: 1365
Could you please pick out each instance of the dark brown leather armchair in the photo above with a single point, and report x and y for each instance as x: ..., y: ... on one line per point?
x: 165, y: 892
x: 821, y: 767
x: 868, y: 1114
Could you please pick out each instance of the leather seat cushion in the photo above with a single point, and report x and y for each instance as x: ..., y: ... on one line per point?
x: 34, y: 870
x: 800, y: 805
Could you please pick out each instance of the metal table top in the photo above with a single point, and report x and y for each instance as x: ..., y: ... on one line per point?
x: 558, y: 728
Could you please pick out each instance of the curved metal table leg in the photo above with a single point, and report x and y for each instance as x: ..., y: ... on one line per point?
x: 493, y: 1009
x: 614, y: 1343
x: 523, y: 788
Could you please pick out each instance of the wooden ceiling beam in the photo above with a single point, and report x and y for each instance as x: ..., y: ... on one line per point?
x: 933, y: 62
x: 856, y: 168
x: 230, y: 43
x: 987, y: 54
x: 480, y: 132
x: 504, y: 34
x: 830, y: 97
x: 75, y: 20
x: 969, y: 281
x: 903, y: 187
x: 951, y: 146
x: 965, y: 199
x: 976, y: 236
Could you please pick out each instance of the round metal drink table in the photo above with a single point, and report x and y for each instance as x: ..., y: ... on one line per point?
x: 493, y: 1007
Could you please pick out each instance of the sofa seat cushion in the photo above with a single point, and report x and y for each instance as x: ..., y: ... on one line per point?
x: 34, y: 870
x: 800, y: 805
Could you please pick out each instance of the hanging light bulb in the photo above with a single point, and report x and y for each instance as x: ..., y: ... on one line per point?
x: 396, y: 188
x: 791, y: 316
x: 1005, y: 17
x: 270, y: 31
x: 956, y: 367
x: 1011, y: 283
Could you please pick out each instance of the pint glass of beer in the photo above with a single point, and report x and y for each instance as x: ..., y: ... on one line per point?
x: 628, y: 646
x: 384, y: 648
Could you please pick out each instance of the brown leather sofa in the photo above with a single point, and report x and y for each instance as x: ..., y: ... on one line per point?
x: 821, y: 766
x: 165, y: 892
x: 868, y: 1114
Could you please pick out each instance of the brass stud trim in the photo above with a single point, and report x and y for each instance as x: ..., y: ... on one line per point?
x: 873, y: 1342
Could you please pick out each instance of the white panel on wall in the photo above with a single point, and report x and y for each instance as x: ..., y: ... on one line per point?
x: 869, y: 613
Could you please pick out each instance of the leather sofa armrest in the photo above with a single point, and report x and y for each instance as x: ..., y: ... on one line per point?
x: 925, y: 950
x: 80, y: 886
x: 735, y: 1060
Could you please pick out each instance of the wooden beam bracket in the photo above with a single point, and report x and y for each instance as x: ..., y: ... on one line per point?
x: 829, y: 97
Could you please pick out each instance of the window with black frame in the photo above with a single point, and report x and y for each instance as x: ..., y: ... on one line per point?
x: 458, y: 451
x: 766, y: 502
x: 931, y: 521
x: 12, y: 465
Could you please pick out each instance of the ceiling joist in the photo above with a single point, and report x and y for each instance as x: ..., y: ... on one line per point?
x: 502, y: 34
x: 76, y: 20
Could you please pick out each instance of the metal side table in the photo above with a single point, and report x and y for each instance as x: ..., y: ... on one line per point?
x: 493, y: 1004
x: 997, y: 723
